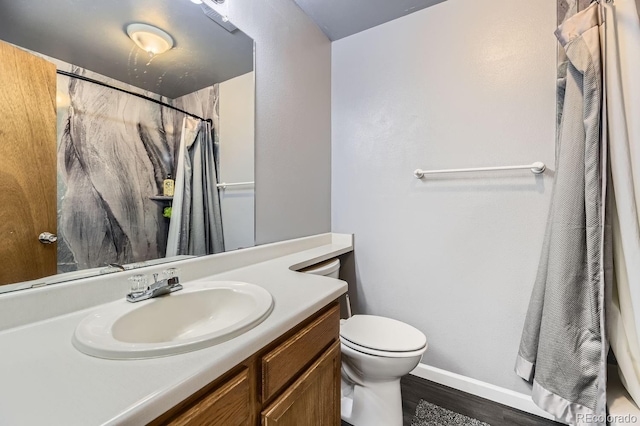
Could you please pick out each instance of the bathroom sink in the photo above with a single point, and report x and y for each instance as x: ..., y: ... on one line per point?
x: 205, y: 313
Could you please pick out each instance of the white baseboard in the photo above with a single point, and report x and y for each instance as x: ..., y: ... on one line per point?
x: 503, y: 396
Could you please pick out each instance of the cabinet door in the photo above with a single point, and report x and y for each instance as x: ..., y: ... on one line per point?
x: 289, y: 359
x: 227, y: 405
x: 313, y: 399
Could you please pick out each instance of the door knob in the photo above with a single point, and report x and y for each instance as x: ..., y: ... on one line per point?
x: 47, y: 238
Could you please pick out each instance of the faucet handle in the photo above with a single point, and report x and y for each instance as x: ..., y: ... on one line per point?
x: 138, y: 283
x: 170, y: 273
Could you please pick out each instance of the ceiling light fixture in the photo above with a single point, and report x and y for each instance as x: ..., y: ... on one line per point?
x: 151, y: 39
x: 196, y: 1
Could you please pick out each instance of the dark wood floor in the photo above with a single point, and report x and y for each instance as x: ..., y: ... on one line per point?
x: 414, y: 389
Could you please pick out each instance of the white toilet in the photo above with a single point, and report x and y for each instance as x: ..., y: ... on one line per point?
x: 376, y: 352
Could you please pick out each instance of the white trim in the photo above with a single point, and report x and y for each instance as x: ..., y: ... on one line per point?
x: 494, y: 393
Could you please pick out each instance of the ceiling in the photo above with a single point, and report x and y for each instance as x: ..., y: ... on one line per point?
x: 91, y: 34
x: 342, y: 18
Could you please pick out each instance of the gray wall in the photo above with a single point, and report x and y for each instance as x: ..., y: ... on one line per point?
x: 461, y: 84
x: 293, y: 119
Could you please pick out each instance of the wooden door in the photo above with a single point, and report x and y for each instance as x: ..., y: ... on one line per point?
x: 27, y: 165
x: 313, y: 399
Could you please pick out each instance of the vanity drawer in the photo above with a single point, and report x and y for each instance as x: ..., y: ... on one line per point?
x: 313, y: 399
x: 287, y: 360
x: 227, y: 405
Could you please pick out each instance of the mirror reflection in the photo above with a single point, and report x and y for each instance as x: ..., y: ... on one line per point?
x: 126, y: 136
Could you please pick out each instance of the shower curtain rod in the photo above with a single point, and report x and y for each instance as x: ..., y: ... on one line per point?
x: 146, y: 98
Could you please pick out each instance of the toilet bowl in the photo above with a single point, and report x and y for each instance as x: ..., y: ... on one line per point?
x: 376, y: 352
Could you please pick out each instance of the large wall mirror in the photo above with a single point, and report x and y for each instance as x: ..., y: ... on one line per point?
x: 126, y: 136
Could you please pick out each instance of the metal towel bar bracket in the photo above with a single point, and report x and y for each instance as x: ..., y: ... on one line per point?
x: 536, y: 168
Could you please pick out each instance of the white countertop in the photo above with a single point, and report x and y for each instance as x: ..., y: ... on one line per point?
x: 44, y: 380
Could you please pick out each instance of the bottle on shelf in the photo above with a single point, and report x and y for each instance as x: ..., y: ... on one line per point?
x: 168, y: 186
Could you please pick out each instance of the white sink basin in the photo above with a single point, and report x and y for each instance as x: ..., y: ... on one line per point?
x: 204, y: 313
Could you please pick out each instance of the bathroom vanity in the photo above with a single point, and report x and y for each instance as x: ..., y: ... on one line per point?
x: 295, y: 380
x: 283, y: 369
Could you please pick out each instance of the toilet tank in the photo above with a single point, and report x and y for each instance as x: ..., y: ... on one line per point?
x: 328, y: 268
x: 331, y: 268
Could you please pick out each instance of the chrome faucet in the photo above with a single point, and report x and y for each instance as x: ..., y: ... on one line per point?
x: 159, y: 288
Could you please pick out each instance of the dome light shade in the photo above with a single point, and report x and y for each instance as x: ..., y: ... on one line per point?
x: 151, y: 39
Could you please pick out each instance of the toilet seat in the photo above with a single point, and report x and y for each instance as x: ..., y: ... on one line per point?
x: 382, y: 336
x: 386, y: 354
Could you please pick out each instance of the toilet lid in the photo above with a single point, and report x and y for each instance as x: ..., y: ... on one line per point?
x: 383, y: 334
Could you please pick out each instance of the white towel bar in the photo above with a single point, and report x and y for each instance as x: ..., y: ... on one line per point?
x: 223, y: 185
x: 537, y: 168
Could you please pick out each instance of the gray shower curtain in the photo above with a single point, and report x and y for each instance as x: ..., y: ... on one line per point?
x: 563, y: 348
x: 200, y: 220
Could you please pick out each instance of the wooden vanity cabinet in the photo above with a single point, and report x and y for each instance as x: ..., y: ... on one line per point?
x: 314, y: 399
x: 225, y: 404
x: 295, y: 380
